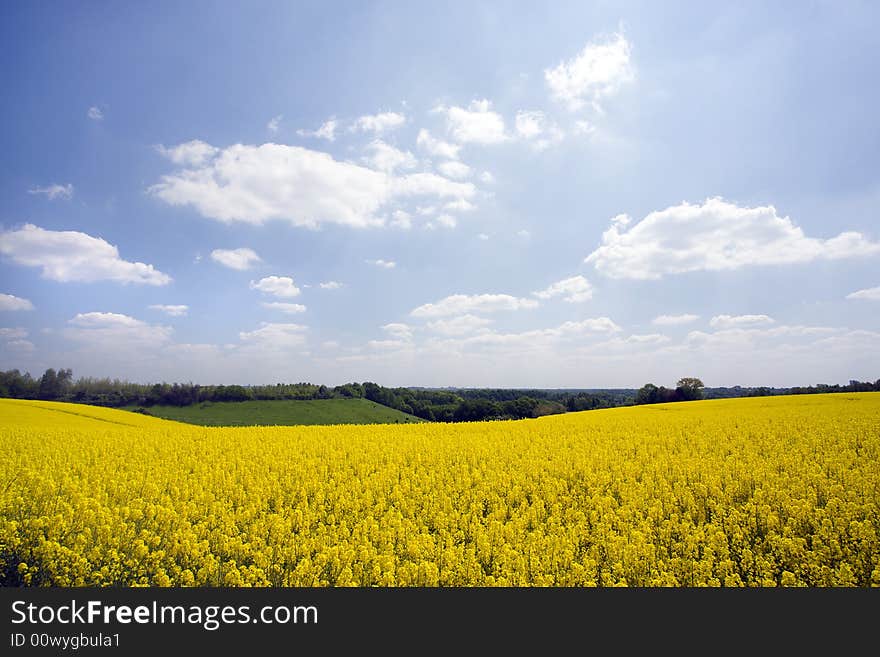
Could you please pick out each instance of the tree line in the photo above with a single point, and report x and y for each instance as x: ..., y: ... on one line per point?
x: 436, y: 405
x: 450, y: 405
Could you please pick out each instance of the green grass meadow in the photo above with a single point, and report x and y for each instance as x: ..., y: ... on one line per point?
x: 269, y: 413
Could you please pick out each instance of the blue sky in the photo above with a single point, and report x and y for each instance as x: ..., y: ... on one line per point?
x: 466, y: 194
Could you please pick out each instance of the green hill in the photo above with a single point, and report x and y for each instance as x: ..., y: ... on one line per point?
x: 248, y: 413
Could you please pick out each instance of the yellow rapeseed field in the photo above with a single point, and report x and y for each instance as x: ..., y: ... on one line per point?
x: 754, y: 492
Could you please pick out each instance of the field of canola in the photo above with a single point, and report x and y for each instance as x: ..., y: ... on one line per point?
x: 754, y: 492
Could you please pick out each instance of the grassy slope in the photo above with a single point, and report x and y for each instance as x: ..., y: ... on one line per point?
x: 319, y: 411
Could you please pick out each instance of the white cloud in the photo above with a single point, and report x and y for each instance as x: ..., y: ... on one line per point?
x: 389, y: 345
x: 530, y: 124
x: 446, y: 220
x: 460, y: 304
x: 714, y: 236
x: 13, y: 333
x: 523, y: 234
x: 544, y: 340
x: 745, y: 338
x: 286, y: 308
x: 398, y: 330
x: 73, y: 256
x: 454, y: 169
x: 576, y: 289
x: 279, y: 286
x: 463, y: 325
x: 379, y: 123
x: 382, y: 264
x: 487, y: 177
x: 385, y: 157
x: 598, y: 71
x: 674, y: 320
x: 735, y: 321
x: 871, y: 293
x: 476, y: 124
x: 584, y: 128
x: 20, y: 346
x: 651, y: 338
x: 327, y: 131
x: 95, y: 113
x: 114, y: 331
x: 401, y: 219
x: 330, y: 285
x: 12, y: 302
x: 275, y: 337
x: 483, y: 236
x: 54, y: 191
x: 173, y: 311
x: 240, y: 259
x: 436, y: 147
x: 430, y: 184
x: 459, y: 205
x: 192, y: 153
x: 253, y: 184
x: 533, y: 126
x: 274, y: 123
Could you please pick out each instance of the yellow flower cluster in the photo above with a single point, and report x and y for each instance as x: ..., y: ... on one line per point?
x: 754, y: 492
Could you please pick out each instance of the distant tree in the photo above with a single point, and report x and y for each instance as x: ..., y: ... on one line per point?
x: 648, y: 394
x: 54, y: 384
x: 689, y: 388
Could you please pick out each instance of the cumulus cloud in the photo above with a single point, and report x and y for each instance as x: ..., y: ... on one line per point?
x: 379, y: 123
x: 382, y: 264
x: 240, y: 259
x: 279, y: 286
x: 546, y: 339
x: 674, y: 320
x: 475, y: 124
x: 734, y: 321
x: 598, y: 71
x: 173, y: 311
x: 286, y: 308
x: 274, y: 124
x: 274, y: 336
x: 533, y: 126
x: 454, y: 169
x: 67, y: 256
x: 327, y: 131
x: 330, y: 285
x: 192, y: 153
x: 714, y: 236
x: 446, y: 220
x: 463, y: 325
x: 398, y: 330
x: 95, y: 113
x: 12, y: 302
x: 576, y: 289
x: 487, y: 177
x: 254, y: 184
x: 459, y: 205
x: 20, y: 346
x: 401, y: 219
x: 385, y: 157
x: 869, y: 294
x: 54, y: 191
x: 461, y: 304
x: 12, y: 333
x: 114, y: 331
x: 436, y: 147
x: 745, y: 338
